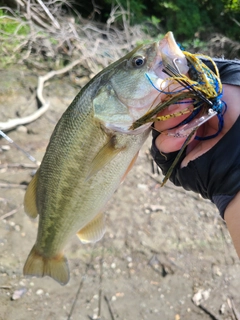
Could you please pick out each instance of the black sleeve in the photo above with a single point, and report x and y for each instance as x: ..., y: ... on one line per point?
x: 229, y: 70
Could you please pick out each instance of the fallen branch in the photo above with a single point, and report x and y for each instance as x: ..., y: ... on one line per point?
x: 12, y: 185
x: 50, y: 75
x: 109, y: 307
x: 232, y: 306
x: 212, y: 315
x: 13, y: 123
x: 6, y: 287
x: 8, y: 214
x: 80, y: 286
x: 100, y: 284
x: 55, y: 22
x: 234, y: 20
x: 18, y: 166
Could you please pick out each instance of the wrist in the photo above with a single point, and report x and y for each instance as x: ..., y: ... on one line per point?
x: 232, y: 218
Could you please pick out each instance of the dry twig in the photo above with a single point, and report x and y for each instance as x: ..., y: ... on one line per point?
x: 13, y: 123
x: 80, y: 286
x: 19, y: 166
x: 100, y: 283
x: 8, y: 214
x: 97, y: 44
x: 233, y: 308
x: 109, y: 307
x: 212, y: 315
x: 12, y: 185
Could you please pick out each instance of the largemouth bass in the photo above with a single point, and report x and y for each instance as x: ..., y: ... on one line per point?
x: 90, y: 152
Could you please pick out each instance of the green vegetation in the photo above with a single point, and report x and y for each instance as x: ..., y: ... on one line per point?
x: 60, y: 31
x: 11, y: 25
x: 185, y: 17
x: 12, y: 31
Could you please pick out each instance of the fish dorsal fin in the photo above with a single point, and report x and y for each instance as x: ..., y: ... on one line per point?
x: 104, y: 156
x: 30, y: 206
x: 94, y: 230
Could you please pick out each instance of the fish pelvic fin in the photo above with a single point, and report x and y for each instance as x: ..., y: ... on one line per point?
x: 130, y: 167
x: 39, y: 266
x: 30, y: 206
x: 104, y: 156
x: 94, y: 230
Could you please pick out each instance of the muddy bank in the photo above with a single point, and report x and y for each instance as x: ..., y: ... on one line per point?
x: 163, y: 246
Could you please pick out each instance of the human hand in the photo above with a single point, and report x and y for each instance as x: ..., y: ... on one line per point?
x: 209, y: 167
x: 167, y: 144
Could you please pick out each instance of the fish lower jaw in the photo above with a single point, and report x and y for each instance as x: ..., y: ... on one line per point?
x: 127, y: 129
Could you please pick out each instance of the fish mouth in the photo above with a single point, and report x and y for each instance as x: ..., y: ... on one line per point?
x: 170, y: 52
x: 167, y: 53
x: 168, y: 45
x: 156, y: 80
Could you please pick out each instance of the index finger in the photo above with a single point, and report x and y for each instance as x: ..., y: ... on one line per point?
x: 173, y: 115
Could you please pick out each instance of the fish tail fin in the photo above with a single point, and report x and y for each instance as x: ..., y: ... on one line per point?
x: 39, y: 266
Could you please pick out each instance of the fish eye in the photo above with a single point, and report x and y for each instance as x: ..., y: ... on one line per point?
x: 138, y: 61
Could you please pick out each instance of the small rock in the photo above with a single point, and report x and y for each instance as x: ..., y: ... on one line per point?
x: 5, y: 147
x: 81, y: 81
x: 39, y: 292
x: 17, y: 294
x: 120, y: 294
x: 200, y: 296
x: 222, y: 308
x: 142, y: 186
x: 156, y: 207
x: 216, y: 271
x: 17, y: 227
x: 22, y: 129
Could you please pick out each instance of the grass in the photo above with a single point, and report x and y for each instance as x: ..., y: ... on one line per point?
x: 13, y: 31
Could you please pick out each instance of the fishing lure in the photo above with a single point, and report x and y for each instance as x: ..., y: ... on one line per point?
x: 203, y: 90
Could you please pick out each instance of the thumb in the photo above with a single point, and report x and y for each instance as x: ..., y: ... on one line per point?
x: 166, y: 143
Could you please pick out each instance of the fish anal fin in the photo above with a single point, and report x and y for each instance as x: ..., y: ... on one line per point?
x: 129, y: 167
x: 104, y: 156
x: 30, y: 206
x: 93, y: 231
x: 39, y: 266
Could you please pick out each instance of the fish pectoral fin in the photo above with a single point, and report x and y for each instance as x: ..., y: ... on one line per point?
x: 93, y: 231
x: 30, y: 206
x: 39, y: 266
x: 104, y: 156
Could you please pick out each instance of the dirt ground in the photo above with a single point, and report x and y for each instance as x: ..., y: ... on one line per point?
x: 166, y: 253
